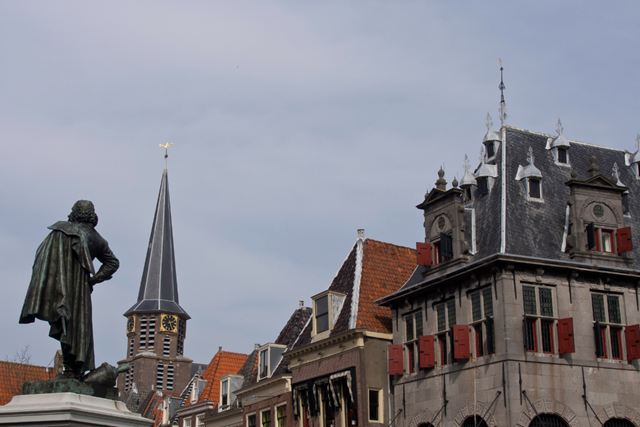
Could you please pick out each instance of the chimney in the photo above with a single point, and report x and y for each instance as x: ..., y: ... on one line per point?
x: 256, y: 346
x: 219, y: 349
x: 301, y: 304
x: 361, y: 233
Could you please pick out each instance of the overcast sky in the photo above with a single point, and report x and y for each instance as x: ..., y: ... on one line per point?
x: 293, y: 124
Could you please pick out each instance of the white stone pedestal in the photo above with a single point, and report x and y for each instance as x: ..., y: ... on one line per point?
x: 68, y: 409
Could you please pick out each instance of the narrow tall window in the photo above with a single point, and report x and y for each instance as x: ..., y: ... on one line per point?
x: 170, y: 377
x: 131, y: 347
x: 534, y: 188
x: 264, y: 363
x: 490, y: 150
x: 281, y: 413
x: 483, y: 188
x: 374, y: 405
x: 481, y: 314
x: 446, y: 314
x: 251, y: 420
x: 413, y: 330
x: 181, y: 334
x: 539, y: 319
x: 322, y: 314
x: 166, y: 350
x: 160, y: 376
x: 143, y: 333
x: 607, y: 316
x: 266, y: 419
x: 562, y: 155
x: 224, y: 401
x: 152, y: 333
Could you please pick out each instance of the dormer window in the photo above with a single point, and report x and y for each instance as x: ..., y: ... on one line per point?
x: 270, y: 356
x: 443, y: 249
x: 562, y: 155
x: 490, y: 150
x: 322, y: 314
x: 602, y: 239
x: 326, y: 308
x: 559, y: 147
x: 224, y: 399
x: 535, y: 189
x: 483, y: 188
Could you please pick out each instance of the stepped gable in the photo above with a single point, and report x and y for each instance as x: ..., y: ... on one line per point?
x: 14, y: 375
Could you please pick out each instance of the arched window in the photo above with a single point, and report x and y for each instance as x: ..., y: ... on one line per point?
x: 617, y: 422
x: 476, y: 421
x: 547, y: 420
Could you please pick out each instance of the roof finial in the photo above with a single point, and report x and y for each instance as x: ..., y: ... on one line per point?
x: 638, y: 141
x: 166, y: 152
x: 441, y: 183
x: 615, y: 173
x: 593, y: 168
x: 482, y: 154
x: 503, y: 108
x: 559, y: 129
x: 489, y: 122
x: 466, y: 166
x: 530, y: 157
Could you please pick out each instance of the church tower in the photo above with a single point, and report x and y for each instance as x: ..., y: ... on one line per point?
x: 156, y: 324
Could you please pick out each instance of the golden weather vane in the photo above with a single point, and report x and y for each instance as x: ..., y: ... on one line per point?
x: 166, y: 152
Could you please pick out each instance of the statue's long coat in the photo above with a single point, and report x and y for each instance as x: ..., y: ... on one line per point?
x: 60, y: 283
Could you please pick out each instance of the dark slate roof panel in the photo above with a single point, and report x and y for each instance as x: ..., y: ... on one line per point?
x: 159, y: 285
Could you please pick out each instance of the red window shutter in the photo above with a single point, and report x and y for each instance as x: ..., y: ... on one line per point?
x: 424, y: 253
x: 633, y: 342
x: 395, y: 360
x: 461, y: 342
x: 624, y: 239
x: 565, y: 336
x: 427, y: 354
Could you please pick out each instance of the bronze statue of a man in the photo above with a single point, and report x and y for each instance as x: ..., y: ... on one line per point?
x: 62, y: 281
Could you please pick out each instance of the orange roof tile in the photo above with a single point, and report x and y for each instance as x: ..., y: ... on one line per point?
x: 385, y: 268
x: 223, y: 363
x: 13, y: 375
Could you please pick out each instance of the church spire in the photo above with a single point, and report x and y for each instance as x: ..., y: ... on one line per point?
x: 159, y: 286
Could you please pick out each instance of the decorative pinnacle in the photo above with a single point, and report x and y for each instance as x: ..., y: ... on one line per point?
x: 559, y: 129
x: 615, y: 173
x: 502, y: 87
x: 466, y: 166
x: 489, y: 122
x: 455, y: 183
x: 530, y: 157
x: 481, y: 154
x: 441, y: 184
x: 638, y: 141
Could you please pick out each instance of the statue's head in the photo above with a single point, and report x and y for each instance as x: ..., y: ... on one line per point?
x: 83, y: 211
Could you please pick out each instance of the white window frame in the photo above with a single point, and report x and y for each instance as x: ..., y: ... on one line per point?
x: 246, y: 419
x: 270, y: 417
x: 534, y: 199
x: 278, y: 406
x: 186, y: 422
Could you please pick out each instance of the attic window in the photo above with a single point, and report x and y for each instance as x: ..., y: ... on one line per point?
x: 490, y: 150
x: 562, y: 155
x: 270, y: 356
x: 443, y: 249
x: 322, y: 314
x: 467, y: 195
x: 535, y: 192
x: 225, y: 393
x: 264, y: 363
x: 482, y: 186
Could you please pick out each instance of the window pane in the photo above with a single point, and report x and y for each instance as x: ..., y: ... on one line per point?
x: 451, y: 308
x: 479, y: 341
x: 373, y: 405
x: 547, y: 337
x: 530, y: 332
x: 614, y: 309
x: 264, y: 367
x: 606, y: 241
x: 529, y: 300
x: 266, y: 419
x: 616, y: 351
x: 442, y: 320
x: 562, y: 155
x: 418, y: 320
x: 546, y: 302
x: 322, y: 306
x: 408, y: 325
x: 251, y: 421
x: 597, y: 302
x: 534, y: 188
x: 488, y: 302
x: 322, y: 323
x: 476, y: 308
x: 282, y: 416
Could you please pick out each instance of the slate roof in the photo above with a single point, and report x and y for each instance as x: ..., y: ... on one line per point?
x: 535, y: 229
x: 14, y: 375
x: 159, y: 285
x: 372, y: 270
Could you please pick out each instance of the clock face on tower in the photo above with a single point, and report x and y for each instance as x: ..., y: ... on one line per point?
x: 169, y: 323
x: 131, y: 324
